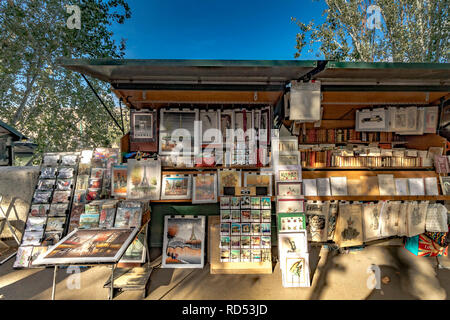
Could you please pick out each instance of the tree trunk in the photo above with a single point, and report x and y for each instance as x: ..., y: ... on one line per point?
x: 23, y: 102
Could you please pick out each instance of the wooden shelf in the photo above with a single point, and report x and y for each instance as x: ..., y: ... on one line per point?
x: 367, y: 168
x: 210, y: 168
x: 376, y: 198
x: 273, y: 198
x: 354, y: 142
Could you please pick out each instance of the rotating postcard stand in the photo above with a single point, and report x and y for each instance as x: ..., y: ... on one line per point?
x: 89, y: 247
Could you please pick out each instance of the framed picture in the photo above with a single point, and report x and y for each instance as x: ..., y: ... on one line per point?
x: 205, y: 188
x: 210, y: 120
x: 291, y: 222
x: 184, y: 242
x: 119, y: 180
x: 372, y: 120
x: 295, y: 270
x: 143, y: 179
x: 289, y: 189
x: 142, y: 125
x: 317, y: 220
x: 175, y: 124
x: 227, y: 125
x: 290, y: 204
x: 136, y: 252
x: 292, y: 242
x: 176, y: 186
x: 285, y: 174
x: 228, y: 178
x: 89, y: 246
x: 287, y: 144
x: 288, y: 159
x: 259, y: 179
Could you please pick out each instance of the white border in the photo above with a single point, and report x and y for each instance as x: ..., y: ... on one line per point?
x: 179, y: 176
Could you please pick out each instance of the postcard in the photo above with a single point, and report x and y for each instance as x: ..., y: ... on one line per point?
x: 64, y: 184
x: 256, y: 228
x: 266, y: 215
x: 245, y: 242
x: 255, y: 202
x: 65, y: 173
x: 61, y: 197
x: 82, y: 182
x: 235, y: 242
x: 32, y: 238
x: 225, y: 242
x: 245, y: 215
x: 48, y: 173
x: 266, y: 203
x: 42, y: 196
x: 225, y: 215
x: 245, y: 202
x: 225, y: 202
x: 255, y: 215
x: 59, y: 209
x: 225, y: 228
x: 235, y: 255
x: 256, y: 255
x: 290, y: 204
x: 224, y: 255
x: 245, y: 255
x: 255, y: 241
x: 235, y: 228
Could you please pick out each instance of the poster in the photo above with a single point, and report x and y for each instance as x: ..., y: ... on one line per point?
x: 349, y: 229
x: 119, y: 180
x: 184, y: 242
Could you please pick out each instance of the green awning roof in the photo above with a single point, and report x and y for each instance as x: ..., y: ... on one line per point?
x: 5, y: 128
x: 260, y: 72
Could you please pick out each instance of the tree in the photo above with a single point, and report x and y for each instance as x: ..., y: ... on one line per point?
x: 410, y: 31
x: 52, y: 105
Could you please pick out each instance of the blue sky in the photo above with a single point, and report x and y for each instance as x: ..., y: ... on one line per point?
x: 213, y: 29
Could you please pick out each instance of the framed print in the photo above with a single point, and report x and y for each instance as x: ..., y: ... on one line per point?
x: 119, y: 180
x: 89, y: 246
x: 184, y: 242
x: 205, y: 188
x: 295, y: 272
x: 143, y: 179
x: 349, y: 228
x: 176, y: 187
x: 227, y: 125
x: 288, y: 174
x: 259, y: 179
x: 210, y: 120
x: 228, y: 178
x: 289, y: 159
x: 175, y: 124
x: 289, y: 189
x: 292, y: 242
x: 136, y: 252
x: 290, y: 204
x: 141, y: 125
x: 372, y: 120
x: 291, y: 222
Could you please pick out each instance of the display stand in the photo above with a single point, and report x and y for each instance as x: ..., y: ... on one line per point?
x: 5, y: 216
x: 217, y: 267
x: 131, y: 279
x: 111, y: 282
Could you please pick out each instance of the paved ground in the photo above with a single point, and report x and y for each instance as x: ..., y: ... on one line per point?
x: 335, y: 276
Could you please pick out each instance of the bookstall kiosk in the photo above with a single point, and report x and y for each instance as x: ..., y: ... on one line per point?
x: 345, y: 90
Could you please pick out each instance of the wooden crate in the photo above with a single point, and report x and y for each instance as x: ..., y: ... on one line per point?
x: 217, y: 267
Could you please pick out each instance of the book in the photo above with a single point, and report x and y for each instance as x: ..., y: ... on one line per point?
x: 431, y: 187
x: 441, y: 164
x: 309, y: 187
x: 323, y: 187
x: 401, y: 186
x: 416, y: 186
x: 338, y: 186
x: 445, y: 185
x: 386, y: 184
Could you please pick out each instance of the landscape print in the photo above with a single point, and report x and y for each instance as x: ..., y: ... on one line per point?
x: 183, y: 242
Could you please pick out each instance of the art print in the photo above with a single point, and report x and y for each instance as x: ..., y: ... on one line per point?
x: 332, y: 219
x: 65, y: 173
x: 32, y: 238
x: 225, y: 228
x: 119, y: 180
x: 246, y: 228
x: 290, y: 204
x: 35, y: 224
x: 256, y: 228
x: 235, y: 202
x: 245, y: 215
x: 296, y: 271
x: 235, y: 228
x: 48, y: 173
x: 97, y: 173
x: 46, y: 184
x: 142, y: 125
x: 227, y: 125
x: 258, y: 179
x: 77, y: 211
x: 225, y: 255
x: 184, y: 239
x: 230, y: 179
x: 225, y: 203
x: 39, y: 210
x: 266, y: 203
x: 210, y: 126
x: 205, y: 188
x: 225, y: 242
x: 246, y: 255
x: 69, y: 160
x: 225, y: 215
x: 291, y: 222
x: 176, y: 187
x: 235, y: 242
x: 64, y: 184
x: 42, y: 196
x: 82, y: 182
x: 349, y: 226
x: 173, y: 125
x: 144, y: 179
x: 317, y: 220
x: 255, y: 215
x: 58, y: 209
x: 255, y: 241
x: 23, y: 257
x: 61, y: 197
x: 50, y: 159
x: 289, y: 175
x: 289, y: 189
x: 136, y: 252
x: 89, y: 246
x: 371, y: 220
x: 55, y: 224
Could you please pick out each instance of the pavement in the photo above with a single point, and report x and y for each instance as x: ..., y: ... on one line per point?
x: 335, y: 276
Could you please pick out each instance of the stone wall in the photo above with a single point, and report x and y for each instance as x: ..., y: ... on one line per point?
x: 16, y: 186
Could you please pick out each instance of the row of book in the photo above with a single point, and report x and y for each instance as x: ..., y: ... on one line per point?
x: 345, y: 135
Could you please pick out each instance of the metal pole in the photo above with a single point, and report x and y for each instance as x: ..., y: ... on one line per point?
x: 54, y: 282
x: 104, y: 105
x: 111, y: 292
